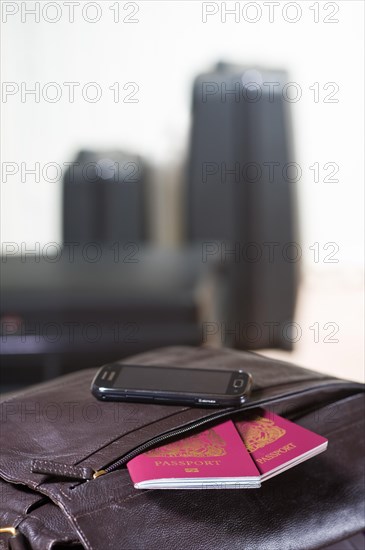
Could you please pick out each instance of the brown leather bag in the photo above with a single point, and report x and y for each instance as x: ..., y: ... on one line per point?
x: 58, y: 428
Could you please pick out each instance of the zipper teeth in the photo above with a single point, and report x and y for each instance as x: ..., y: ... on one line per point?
x: 162, y: 437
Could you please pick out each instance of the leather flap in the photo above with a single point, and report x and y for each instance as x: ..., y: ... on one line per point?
x: 61, y: 421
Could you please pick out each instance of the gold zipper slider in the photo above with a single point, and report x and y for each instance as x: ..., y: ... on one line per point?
x: 10, y: 530
x: 99, y: 473
x: 16, y: 539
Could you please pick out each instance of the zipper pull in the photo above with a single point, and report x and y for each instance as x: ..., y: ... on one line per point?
x: 49, y: 467
x: 99, y: 473
x: 16, y: 540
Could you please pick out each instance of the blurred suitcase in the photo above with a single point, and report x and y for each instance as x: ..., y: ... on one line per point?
x: 103, y: 199
x: 241, y: 200
x: 58, y: 315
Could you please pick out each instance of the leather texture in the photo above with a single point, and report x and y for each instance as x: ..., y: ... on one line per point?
x: 315, y: 504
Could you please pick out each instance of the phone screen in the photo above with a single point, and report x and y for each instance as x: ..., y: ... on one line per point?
x: 165, y: 379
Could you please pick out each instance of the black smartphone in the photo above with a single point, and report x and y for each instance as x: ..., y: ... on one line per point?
x: 168, y: 385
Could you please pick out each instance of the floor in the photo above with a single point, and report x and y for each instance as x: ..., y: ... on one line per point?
x: 330, y: 318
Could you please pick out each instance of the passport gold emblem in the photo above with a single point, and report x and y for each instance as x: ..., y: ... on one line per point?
x: 208, y: 443
x: 260, y: 432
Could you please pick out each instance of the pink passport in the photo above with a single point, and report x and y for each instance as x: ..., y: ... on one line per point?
x: 215, y: 458
x: 276, y: 444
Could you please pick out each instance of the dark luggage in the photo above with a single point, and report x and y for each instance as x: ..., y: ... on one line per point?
x: 60, y: 427
x: 242, y: 199
x: 104, y: 199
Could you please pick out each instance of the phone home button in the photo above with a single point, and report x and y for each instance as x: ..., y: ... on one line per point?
x: 238, y: 383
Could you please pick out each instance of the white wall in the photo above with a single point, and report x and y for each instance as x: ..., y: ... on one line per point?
x: 162, y: 53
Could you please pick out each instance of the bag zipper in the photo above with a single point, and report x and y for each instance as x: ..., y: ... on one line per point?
x: 49, y: 467
x: 158, y: 439
x: 78, y: 473
x: 232, y: 411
